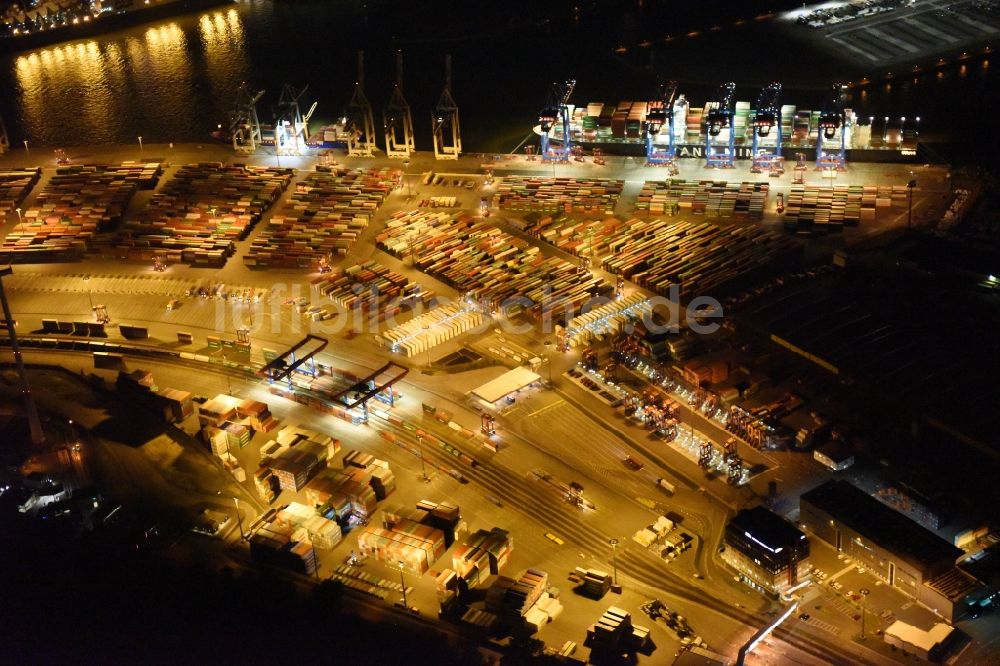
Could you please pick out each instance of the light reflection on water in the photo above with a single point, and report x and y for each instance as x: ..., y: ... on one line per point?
x: 167, y: 80
x: 177, y: 79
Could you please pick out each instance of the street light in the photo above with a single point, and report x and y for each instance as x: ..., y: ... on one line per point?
x: 427, y: 327
x: 26, y: 151
x: 548, y: 359
x: 402, y: 583
x: 90, y: 296
x: 18, y: 211
x: 909, y: 207
x: 239, y: 521
x: 614, y: 559
x: 423, y: 467
x: 864, y: 597
x: 140, y: 145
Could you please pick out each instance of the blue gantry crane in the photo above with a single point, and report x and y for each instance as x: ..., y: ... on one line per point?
x: 555, y: 111
x: 660, y: 113
x: 832, y: 120
x: 767, y: 117
x: 720, y: 117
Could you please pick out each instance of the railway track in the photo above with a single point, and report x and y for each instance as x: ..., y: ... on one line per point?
x: 540, y: 504
x: 536, y: 503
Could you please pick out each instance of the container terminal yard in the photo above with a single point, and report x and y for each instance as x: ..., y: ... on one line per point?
x: 604, y: 391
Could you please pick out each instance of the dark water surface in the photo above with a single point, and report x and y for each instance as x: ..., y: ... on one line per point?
x: 176, y: 79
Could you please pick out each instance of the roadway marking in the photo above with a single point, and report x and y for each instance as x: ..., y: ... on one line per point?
x: 839, y: 573
x: 546, y: 408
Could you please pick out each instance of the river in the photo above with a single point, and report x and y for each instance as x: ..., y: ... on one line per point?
x: 175, y: 80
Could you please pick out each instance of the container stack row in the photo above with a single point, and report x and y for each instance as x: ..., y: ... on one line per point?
x: 482, y: 555
x: 583, y: 238
x: 448, y: 518
x: 319, y: 531
x: 741, y: 114
x: 198, y: 215
x: 818, y: 208
x: 694, y: 124
x: 322, y: 219
x: 78, y: 203
x: 371, y: 289
x: 291, y: 459
x: 514, y: 598
x: 228, y: 423
x: 15, y: 184
x: 493, y: 268
x: 614, y: 631
x: 283, y: 547
x: 403, y: 540
x: 558, y: 195
x: 694, y: 258
x: 607, y: 319
x: 431, y: 329
x: 717, y: 199
x: 406, y: 231
x: 342, y: 495
x: 382, y: 481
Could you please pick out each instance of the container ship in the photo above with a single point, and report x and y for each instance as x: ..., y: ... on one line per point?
x: 620, y: 129
x: 53, y: 21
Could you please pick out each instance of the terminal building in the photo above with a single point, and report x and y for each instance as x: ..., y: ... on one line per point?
x: 770, y: 554
x: 894, y: 548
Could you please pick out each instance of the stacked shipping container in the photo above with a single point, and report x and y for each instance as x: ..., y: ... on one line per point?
x: 76, y: 204
x: 817, y: 208
x: 204, y: 209
x: 371, y: 291
x: 15, y: 184
x: 719, y: 199
x: 324, y: 216
x: 696, y: 257
x: 583, y: 195
x: 430, y: 329
x: 492, y: 268
x: 403, y: 540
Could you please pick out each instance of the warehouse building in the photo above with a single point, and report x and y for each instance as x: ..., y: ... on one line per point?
x: 770, y: 554
x: 898, y: 550
x: 512, y: 381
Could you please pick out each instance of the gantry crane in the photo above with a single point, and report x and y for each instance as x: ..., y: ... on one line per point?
x: 289, y: 123
x: 244, y: 127
x: 720, y: 117
x: 397, y: 120
x: 660, y: 113
x: 767, y: 116
x: 360, y: 120
x: 444, y: 121
x: 831, y: 121
x: 556, y: 111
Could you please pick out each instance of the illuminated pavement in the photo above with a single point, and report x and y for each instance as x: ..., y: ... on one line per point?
x: 566, y: 431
